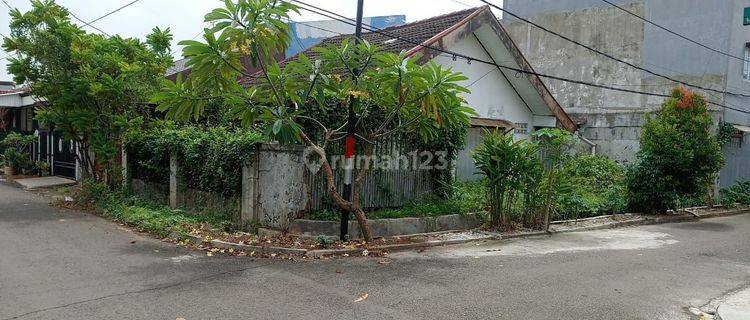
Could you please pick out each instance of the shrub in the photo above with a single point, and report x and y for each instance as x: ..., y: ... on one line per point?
x: 209, y: 159
x: 512, y: 169
x: 738, y: 193
x: 17, y: 152
x: 143, y: 215
x: 679, y: 157
x: 593, y: 185
x: 555, y: 145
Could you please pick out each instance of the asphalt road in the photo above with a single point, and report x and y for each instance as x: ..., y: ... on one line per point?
x: 67, y: 265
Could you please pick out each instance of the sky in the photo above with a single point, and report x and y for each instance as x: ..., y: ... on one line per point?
x: 185, y: 17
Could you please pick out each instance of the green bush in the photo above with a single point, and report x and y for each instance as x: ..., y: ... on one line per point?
x: 592, y: 185
x: 153, y: 218
x: 209, y: 159
x: 738, y: 193
x: 17, y: 152
x: 679, y: 157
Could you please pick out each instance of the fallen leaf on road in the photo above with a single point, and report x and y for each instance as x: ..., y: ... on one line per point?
x: 180, y: 318
x: 362, y: 298
x: 210, y: 254
x: 384, y: 261
x: 132, y: 242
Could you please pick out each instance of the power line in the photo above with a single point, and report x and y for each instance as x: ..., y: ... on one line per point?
x: 675, y: 33
x: 89, y: 24
x: 112, y: 12
x: 609, y: 56
x: 344, y: 19
x: 8, y: 5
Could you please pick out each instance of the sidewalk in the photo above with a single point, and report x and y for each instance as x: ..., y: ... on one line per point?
x: 43, y: 182
x: 735, y: 307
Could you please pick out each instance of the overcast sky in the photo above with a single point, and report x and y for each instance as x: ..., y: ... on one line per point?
x: 185, y: 17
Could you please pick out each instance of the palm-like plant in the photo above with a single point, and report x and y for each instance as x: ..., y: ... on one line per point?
x: 511, y: 167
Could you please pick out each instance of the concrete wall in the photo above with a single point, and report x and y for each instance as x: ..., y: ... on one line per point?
x: 491, y: 94
x: 272, y: 195
x: 737, y: 167
x: 273, y: 189
x: 613, y: 119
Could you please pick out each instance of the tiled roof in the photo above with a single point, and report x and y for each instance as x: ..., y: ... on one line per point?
x: 13, y: 91
x: 412, y: 33
x: 415, y: 32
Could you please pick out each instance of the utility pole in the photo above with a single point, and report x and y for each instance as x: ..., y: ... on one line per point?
x: 350, y: 139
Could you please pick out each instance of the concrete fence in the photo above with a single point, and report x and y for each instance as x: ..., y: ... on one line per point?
x: 275, y: 187
x: 272, y: 195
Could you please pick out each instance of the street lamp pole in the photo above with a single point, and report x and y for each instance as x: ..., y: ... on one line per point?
x: 350, y: 139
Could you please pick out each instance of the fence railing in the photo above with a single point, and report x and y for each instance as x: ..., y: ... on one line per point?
x: 396, y: 175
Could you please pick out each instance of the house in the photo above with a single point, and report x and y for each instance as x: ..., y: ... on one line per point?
x: 613, y: 119
x: 305, y: 35
x: 502, y: 99
x: 17, y: 114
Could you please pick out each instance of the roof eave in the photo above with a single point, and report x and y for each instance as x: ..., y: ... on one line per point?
x: 535, y: 80
x: 472, y: 22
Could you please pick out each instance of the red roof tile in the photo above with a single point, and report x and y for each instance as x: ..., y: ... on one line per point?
x: 416, y: 32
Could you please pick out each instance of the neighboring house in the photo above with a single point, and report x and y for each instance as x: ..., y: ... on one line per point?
x: 309, y: 33
x: 613, y: 120
x: 502, y: 99
x: 304, y: 35
x: 17, y: 107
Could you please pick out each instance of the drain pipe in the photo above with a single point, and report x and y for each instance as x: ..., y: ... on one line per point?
x: 588, y: 142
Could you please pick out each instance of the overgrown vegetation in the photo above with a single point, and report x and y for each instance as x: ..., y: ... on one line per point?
x: 679, y: 157
x: 555, y: 146
x: 465, y: 197
x: 210, y: 159
x: 145, y: 216
x: 591, y: 185
x: 512, y: 168
x: 736, y: 194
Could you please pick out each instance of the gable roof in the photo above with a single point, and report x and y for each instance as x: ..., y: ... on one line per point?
x: 415, y: 32
x: 439, y: 33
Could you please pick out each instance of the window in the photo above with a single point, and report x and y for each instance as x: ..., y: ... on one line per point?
x: 746, y: 19
x: 523, y: 128
x: 746, y: 63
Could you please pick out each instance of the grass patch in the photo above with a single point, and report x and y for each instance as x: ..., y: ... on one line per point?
x: 156, y: 219
x: 467, y: 198
x: 146, y: 216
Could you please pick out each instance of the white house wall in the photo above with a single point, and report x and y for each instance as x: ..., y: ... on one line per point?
x: 491, y: 95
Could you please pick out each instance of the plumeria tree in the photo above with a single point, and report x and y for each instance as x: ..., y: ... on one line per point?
x: 305, y: 100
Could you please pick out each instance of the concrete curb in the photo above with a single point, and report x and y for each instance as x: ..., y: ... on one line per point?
x: 730, y: 312
x: 489, y: 236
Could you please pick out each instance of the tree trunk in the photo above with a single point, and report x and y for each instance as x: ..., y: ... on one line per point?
x: 363, y: 225
x: 353, y: 206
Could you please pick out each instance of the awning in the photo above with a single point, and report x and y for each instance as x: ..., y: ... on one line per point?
x: 492, y: 123
x: 743, y: 129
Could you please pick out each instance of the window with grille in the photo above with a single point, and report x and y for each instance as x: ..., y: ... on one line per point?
x: 523, y: 128
x: 746, y: 65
